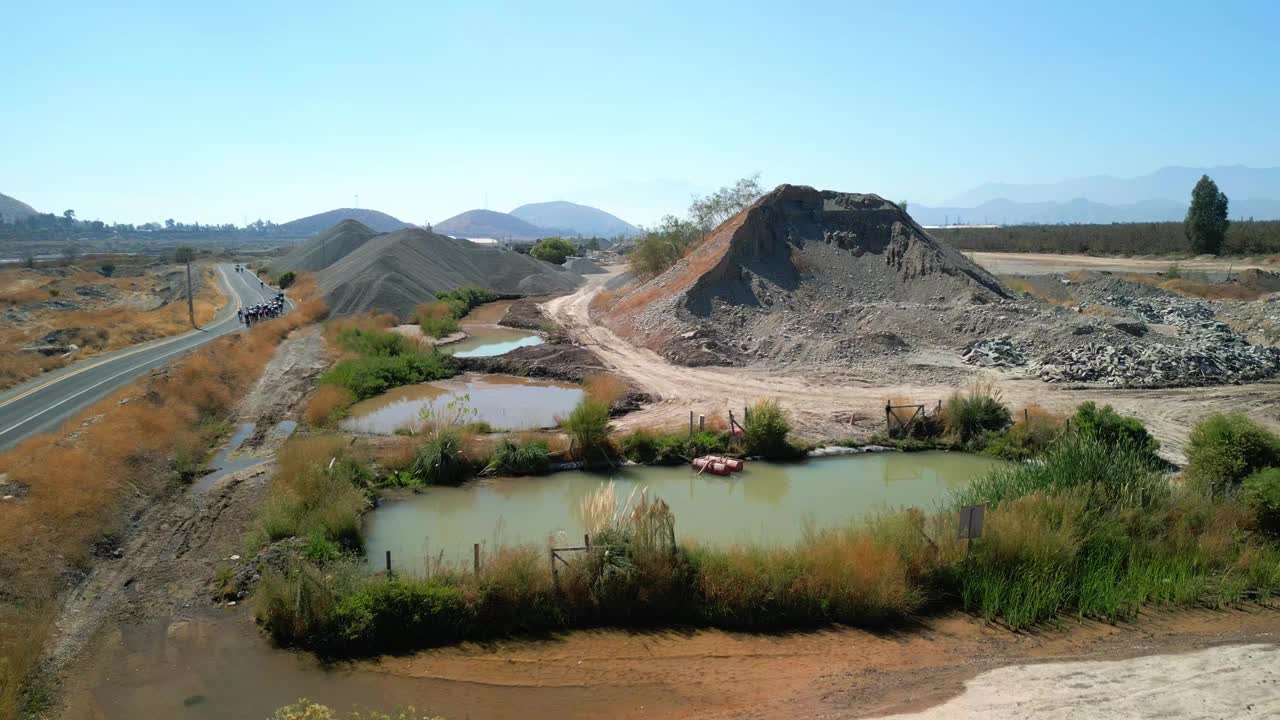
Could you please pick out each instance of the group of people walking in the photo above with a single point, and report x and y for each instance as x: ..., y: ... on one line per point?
x: 263, y: 311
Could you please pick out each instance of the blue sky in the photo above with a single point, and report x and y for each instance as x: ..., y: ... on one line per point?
x: 229, y: 111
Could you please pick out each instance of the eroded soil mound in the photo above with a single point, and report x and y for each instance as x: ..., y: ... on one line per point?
x: 803, y: 275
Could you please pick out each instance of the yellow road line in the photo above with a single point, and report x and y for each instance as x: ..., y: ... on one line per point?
x: 126, y: 354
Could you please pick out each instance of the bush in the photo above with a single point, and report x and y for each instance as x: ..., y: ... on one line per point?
x: 379, y: 343
x: 327, y: 405
x: 1033, y: 433
x: 1111, y: 475
x: 367, y: 377
x: 588, y: 425
x: 1225, y: 449
x: 765, y: 431
x: 1112, y: 428
x: 1261, y: 491
x: 526, y: 458
x: 973, y: 415
x: 659, y: 249
x: 463, y: 300
x: 286, y: 279
x: 107, y: 269
x: 437, y: 319
x: 553, y: 250
x: 440, y: 461
x: 648, y: 447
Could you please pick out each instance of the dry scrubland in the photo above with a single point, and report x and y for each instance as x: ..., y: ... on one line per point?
x: 73, y: 485
x: 71, y: 305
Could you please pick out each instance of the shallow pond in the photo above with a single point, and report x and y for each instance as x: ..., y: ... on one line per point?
x: 766, y: 503
x: 505, y: 402
x: 485, y: 338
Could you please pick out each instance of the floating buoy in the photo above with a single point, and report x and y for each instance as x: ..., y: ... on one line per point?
x: 713, y: 465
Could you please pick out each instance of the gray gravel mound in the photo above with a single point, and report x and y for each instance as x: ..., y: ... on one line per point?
x: 397, y: 271
x: 326, y: 248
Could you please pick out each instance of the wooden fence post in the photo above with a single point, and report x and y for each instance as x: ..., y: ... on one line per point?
x: 475, y: 553
x: 690, y: 423
x: 388, y: 562
x: 586, y: 540
x: 555, y: 575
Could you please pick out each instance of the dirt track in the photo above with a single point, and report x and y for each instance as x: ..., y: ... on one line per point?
x: 822, y: 402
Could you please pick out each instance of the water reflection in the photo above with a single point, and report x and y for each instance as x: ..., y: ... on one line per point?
x: 768, y: 503
x: 505, y: 402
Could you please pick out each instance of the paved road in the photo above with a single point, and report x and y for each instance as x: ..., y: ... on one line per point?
x: 43, y: 403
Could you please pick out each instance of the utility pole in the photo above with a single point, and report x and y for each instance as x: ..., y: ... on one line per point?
x: 186, y: 255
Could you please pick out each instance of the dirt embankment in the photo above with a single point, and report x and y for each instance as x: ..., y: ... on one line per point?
x: 163, y: 562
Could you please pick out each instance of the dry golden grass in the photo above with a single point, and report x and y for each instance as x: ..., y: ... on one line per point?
x: 99, y: 331
x: 1055, y: 296
x: 327, y: 404
x: 1200, y: 288
x: 397, y: 454
x: 120, y: 447
x: 606, y: 388
x: 902, y: 408
x: 437, y: 309
x: 368, y: 321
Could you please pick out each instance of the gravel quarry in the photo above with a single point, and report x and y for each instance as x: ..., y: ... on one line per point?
x: 394, y: 272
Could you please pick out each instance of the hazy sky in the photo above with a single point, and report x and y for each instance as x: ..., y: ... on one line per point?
x: 226, y: 111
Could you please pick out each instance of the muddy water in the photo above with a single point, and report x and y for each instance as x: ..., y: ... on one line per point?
x: 767, y: 503
x: 503, y: 401
x: 485, y: 337
x: 218, y: 665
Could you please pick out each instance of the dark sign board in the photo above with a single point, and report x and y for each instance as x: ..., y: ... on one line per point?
x: 971, y: 519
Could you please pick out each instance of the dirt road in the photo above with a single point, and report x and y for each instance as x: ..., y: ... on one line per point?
x: 822, y: 402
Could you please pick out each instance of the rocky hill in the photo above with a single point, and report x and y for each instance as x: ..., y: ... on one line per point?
x: 572, y: 219
x: 394, y: 272
x: 802, y: 274
x: 326, y: 248
x: 490, y: 224
x: 312, y: 224
x: 12, y: 208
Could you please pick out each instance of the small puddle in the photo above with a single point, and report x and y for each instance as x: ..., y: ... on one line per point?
x: 505, y: 402
x: 768, y: 503
x: 223, y: 463
x: 485, y: 338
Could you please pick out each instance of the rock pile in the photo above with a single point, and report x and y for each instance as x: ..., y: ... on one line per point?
x: 994, y: 352
x: 1206, y: 360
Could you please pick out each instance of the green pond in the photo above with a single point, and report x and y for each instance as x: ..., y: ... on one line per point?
x: 485, y: 337
x: 767, y: 503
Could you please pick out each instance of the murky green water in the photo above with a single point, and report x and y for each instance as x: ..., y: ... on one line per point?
x: 503, y: 401
x: 767, y: 503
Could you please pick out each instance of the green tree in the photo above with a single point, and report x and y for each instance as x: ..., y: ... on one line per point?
x: 554, y: 250
x: 708, y: 212
x: 185, y: 255
x: 1206, y: 223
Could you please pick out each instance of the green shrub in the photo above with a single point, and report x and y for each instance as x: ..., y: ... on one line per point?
x: 973, y: 415
x: 286, y: 279
x: 1261, y: 491
x: 369, y: 376
x: 588, y: 425
x: 1110, y: 475
x: 437, y: 327
x: 647, y: 447
x: 378, y: 343
x: 1225, y: 449
x: 527, y: 458
x: 553, y: 250
x: 1112, y: 428
x: 320, y: 550
x: 439, y: 460
x: 390, y: 614
x: 464, y: 299
x: 765, y: 431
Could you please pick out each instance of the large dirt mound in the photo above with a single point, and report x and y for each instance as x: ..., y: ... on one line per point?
x: 755, y: 286
x: 397, y: 271
x: 326, y: 248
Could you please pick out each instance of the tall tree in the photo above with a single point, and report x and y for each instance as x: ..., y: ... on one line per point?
x: 186, y: 255
x: 1206, y: 223
x: 708, y: 212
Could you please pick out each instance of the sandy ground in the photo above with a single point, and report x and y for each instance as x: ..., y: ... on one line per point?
x: 822, y: 403
x: 1002, y: 263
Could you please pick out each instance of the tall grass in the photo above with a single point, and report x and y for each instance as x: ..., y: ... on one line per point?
x: 370, y: 376
x: 765, y: 431
x: 973, y: 415
x: 327, y: 405
x: 588, y: 425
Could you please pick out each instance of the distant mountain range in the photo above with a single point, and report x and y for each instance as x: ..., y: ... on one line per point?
x: 489, y: 224
x: 1161, y: 195
x: 12, y: 208
x: 572, y: 219
x: 312, y: 224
